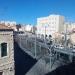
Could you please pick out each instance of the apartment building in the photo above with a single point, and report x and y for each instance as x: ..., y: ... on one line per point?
x: 50, y: 24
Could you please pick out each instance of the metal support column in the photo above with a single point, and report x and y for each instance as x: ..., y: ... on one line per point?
x: 50, y: 55
x: 66, y: 37
x: 56, y: 56
x: 40, y: 48
x: 70, y: 58
x: 35, y: 47
x: 20, y: 41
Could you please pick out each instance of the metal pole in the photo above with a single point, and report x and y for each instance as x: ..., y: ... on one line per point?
x: 0, y: 50
x: 50, y: 55
x: 65, y: 36
x: 56, y: 56
x: 70, y: 58
x: 35, y: 46
x: 26, y: 42
x: 20, y: 41
x: 45, y: 33
x: 40, y: 48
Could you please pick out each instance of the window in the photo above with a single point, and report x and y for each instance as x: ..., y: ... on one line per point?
x: 45, y: 35
x: 50, y: 36
x: 55, y: 18
x: 3, y: 49
x: 1, y: 73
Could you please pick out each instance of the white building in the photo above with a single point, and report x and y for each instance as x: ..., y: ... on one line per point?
x: 50, y: 24
x: 69, y: 26
x: 28, y: 28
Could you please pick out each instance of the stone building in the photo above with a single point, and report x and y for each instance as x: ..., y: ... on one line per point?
x: 13, y: 60
x: 6, y: 51
x: 11, y: 24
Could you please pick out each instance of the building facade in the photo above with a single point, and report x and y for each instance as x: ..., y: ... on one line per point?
x: 13, y: 59
x: 28, y: 28
x: 69, y: 26
x: 50, y: 24
x: 6, y: 51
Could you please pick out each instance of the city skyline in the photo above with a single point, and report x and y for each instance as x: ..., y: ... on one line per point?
x: 27, y: 11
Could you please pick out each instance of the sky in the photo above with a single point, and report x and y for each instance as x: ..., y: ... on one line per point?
x: 27, y: 11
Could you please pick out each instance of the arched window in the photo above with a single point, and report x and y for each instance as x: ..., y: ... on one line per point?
x: 3, y: 49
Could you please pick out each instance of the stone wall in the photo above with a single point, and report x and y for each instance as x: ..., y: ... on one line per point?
x: 7, y: 62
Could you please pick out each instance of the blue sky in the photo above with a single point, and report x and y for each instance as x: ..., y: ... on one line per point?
x: 27, y: 11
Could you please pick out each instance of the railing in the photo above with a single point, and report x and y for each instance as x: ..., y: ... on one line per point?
x: 40, y: 50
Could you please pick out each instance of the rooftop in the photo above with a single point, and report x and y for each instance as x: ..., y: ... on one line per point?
x: 3, y: 27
